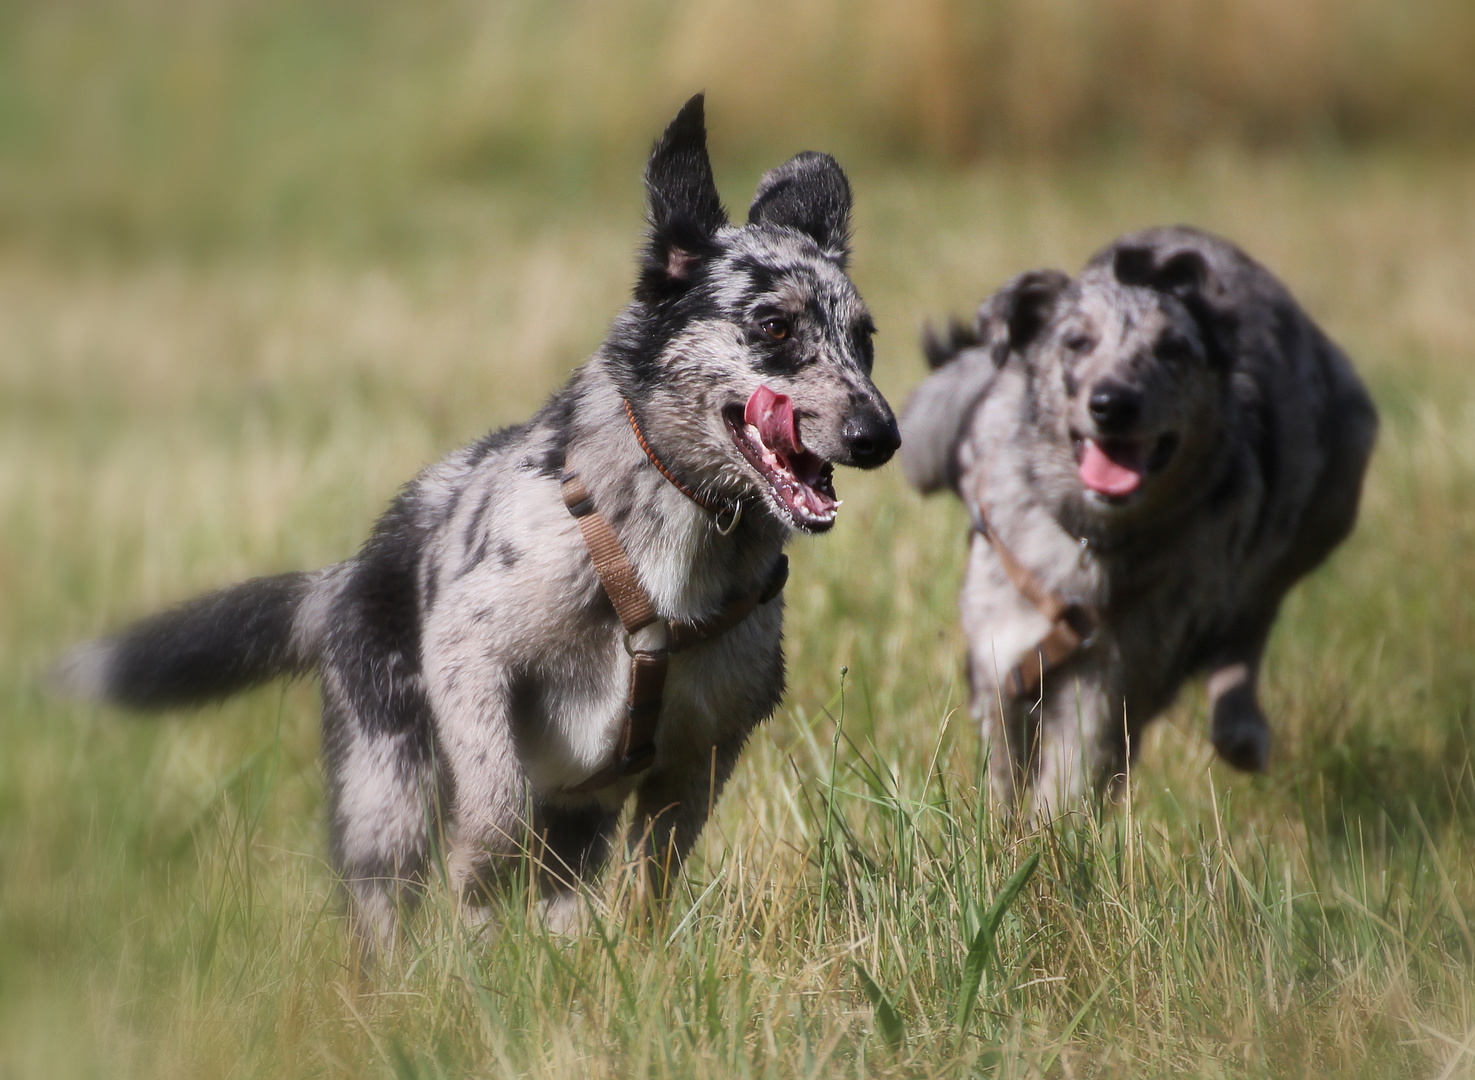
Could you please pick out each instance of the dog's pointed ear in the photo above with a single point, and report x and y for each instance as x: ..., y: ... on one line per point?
x: 1012, y: 317
x: 683, y: 205
x: 809, y: 193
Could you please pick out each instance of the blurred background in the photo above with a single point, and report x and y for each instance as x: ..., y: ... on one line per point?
x: 205, y: 124
x: 261, y: 260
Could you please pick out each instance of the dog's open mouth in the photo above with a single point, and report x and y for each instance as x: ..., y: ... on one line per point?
x: 799, y: 480
x: 1116, y: 468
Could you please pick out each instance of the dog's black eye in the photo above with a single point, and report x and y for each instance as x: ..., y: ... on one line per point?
x: 1079, y: 343
x: 776, y: 328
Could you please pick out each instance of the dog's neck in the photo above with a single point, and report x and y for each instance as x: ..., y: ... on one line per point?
x: 688, y: 568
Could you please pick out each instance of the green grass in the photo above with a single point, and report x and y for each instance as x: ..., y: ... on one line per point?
x: 168, y: 424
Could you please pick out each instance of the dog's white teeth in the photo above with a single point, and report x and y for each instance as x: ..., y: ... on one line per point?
x: 793, y: 493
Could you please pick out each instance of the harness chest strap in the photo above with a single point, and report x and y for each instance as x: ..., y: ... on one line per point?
x: 1072, y: 626
x: 649, y: 639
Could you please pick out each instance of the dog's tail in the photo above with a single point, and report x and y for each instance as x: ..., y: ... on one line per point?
x: 207, y: 648
x: 941, y: 346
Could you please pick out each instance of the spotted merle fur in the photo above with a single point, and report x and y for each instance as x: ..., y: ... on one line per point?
x: 1269, y: 430
x: 473, y: 669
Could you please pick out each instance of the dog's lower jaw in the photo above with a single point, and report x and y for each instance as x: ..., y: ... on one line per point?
x: 796, y: 482
x: 1110, y: 526
x: 789, y: 521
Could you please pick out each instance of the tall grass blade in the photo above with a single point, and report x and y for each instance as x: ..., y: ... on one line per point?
x: 983, y: 941
x: 893, y: 1030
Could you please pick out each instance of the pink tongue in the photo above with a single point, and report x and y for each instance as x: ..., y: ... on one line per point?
x: 1100, y: 473
x: 773, y: 415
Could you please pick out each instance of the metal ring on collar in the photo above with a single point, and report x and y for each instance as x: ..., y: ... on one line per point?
x: 737, y: 515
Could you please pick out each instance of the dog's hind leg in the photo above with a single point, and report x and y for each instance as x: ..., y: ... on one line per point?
x: 381, y: 788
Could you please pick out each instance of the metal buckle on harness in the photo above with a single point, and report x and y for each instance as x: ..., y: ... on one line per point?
x: 1085, y: 622
x: 653, y: 637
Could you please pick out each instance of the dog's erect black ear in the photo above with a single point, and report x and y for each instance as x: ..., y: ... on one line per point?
x: 808, y: 192
x: 1181, y: 274
x: 1012, y: 317
x: 684, y: 207
x: 1184, y: 274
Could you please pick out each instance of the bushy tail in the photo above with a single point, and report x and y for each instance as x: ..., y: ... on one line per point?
x: 940, y: 346
x: 206, y: 649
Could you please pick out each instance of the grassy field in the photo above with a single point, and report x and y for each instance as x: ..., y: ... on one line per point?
x: 170, y: 423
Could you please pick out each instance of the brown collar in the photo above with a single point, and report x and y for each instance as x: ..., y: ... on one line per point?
x: 727, y: 514
x: 1073, y: 626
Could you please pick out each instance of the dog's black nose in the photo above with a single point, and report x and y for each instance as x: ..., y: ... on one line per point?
x: 870, y: 439
x: 1115, y: 407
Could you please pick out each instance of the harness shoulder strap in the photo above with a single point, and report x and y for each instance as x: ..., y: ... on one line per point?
x: 1072, y: 626
x: 648, y: 638
x: 613, y: 566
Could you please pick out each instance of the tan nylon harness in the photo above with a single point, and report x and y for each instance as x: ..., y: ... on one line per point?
x: 1072, y: 626
x: 649, y: 639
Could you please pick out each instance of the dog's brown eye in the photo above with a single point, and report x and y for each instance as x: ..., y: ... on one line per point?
x: 778, y: 329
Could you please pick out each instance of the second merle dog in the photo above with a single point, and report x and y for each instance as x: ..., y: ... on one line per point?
x: 1152, y: 453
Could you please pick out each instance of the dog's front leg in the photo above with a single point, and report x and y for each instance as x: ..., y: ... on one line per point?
x: 1237, y: 726
x: 1238, y: 729
x: 1011, y: 742
x: 570, y: 845
x: 1088, y: 743
x: 672, y: 805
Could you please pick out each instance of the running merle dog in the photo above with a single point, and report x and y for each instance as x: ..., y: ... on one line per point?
x: 476, y: 654
x: 1153, y: 453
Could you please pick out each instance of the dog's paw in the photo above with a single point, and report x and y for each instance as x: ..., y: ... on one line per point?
x: 1240, y: 732
x: 1237, y: 727
x: 564, y: 914
x: 1247, y: 748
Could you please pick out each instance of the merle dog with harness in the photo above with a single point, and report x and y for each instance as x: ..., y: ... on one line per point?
x: 585, y: 606
x: 1152, y: 453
